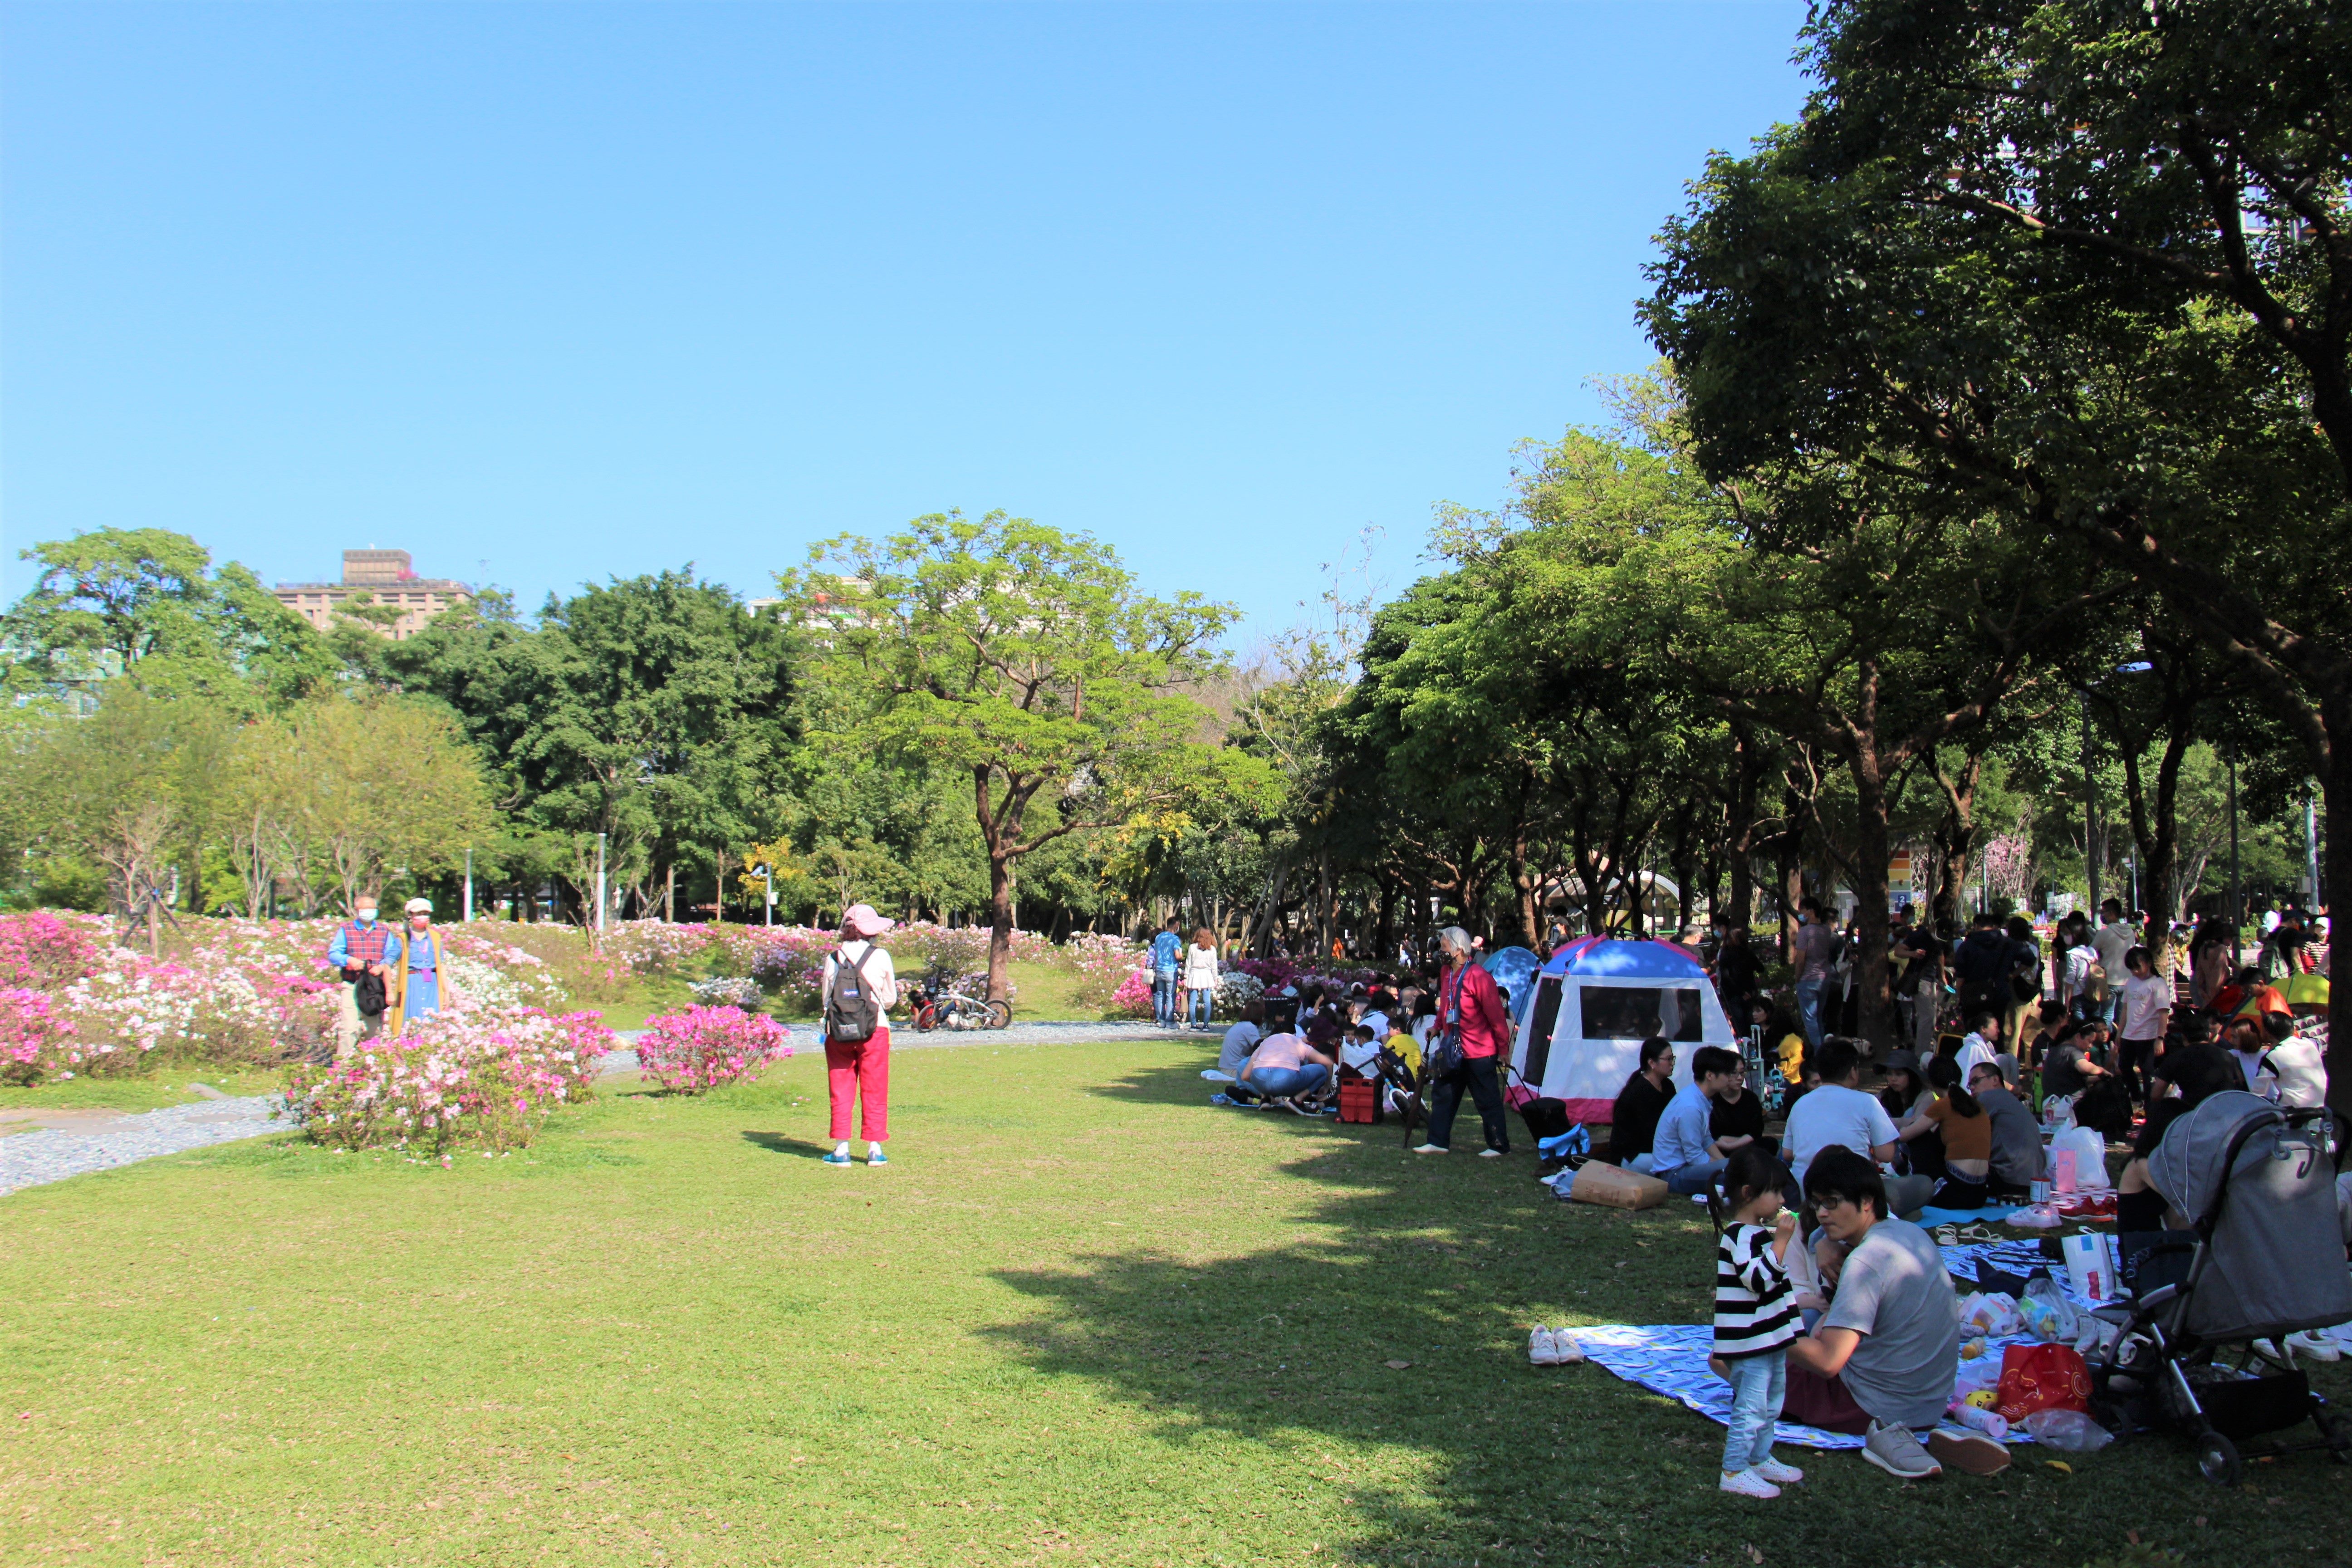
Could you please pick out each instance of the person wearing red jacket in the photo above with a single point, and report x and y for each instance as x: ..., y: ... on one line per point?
x: 1470, y: 1002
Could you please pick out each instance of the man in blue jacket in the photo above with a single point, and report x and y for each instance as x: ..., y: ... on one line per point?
x: 1167, y: 960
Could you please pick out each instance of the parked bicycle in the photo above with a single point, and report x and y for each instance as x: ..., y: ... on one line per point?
x: 957, y: 1004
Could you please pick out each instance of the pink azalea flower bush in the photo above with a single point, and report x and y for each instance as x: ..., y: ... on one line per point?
x: 43, y: 951
x: 487, y: 1075
x: 702, y: 1048
x: 32, y: 1037
x: 1133, y: 997
x: 231, y: 991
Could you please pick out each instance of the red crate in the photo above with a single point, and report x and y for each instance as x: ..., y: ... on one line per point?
x: 1360, y: 1101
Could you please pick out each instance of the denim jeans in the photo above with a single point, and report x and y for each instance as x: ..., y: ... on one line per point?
x: 1809, y: 1010
x: 1759, y: 1384
x: 1280, y: 1083
x: 1198, y: 1007
x: 1163, y: 998
x: 1683, y: 1180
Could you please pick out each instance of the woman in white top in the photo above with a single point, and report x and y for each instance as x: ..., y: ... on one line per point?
x: 1200, y: 978
x: 858, y: 1069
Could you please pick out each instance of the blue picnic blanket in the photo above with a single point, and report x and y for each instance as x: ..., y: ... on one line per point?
x: 1991, y: 1213
x: 1671, y: 1358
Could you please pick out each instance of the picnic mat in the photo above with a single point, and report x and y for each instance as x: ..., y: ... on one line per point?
x: 1671, y: 1358
x: 1991, y: 1213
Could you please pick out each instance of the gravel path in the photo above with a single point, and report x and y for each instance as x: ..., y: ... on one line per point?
x: 70, y: 1147
x: 74, y: 1143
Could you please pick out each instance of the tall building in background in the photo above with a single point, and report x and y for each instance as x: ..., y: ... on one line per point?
x: 375, y: 577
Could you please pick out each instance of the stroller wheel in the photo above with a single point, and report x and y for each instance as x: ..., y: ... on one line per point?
x: 2217, y: 1459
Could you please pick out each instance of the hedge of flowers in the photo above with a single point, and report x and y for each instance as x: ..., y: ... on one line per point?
x: 702, y: 1048
x: 230, y: 991
x: 487, y: 1075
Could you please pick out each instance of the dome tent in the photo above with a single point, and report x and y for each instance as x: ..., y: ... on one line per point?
x: 1514, y: 969
x: 1596, y: 1000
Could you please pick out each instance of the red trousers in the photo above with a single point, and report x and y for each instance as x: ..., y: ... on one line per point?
x: 860, y: 1071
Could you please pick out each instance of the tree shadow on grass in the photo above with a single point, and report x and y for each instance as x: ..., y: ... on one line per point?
x: 1396, y: 1257
x: 1467, y: 1453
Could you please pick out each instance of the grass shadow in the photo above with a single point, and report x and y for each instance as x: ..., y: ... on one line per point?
x: 784, y: 1143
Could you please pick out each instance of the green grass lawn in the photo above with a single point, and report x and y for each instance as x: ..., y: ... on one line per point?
x: 1082, y: 1318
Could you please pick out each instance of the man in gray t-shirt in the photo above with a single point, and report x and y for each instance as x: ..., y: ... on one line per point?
x: 1894, y: 1293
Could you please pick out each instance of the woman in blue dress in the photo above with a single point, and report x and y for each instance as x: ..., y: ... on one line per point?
x: 424, y: 985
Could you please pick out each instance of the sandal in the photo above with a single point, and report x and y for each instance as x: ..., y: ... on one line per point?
x: 1947, y: 1236
x: 1978, y: 1234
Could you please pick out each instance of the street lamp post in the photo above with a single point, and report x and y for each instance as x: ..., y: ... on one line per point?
x: 600, y: 884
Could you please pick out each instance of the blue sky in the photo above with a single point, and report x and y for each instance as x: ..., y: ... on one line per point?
x: 551, y: 293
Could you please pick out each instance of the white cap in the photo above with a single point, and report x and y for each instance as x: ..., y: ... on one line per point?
x: 419, y: 906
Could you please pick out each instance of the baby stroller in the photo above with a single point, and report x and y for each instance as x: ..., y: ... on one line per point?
x: 2265, y: 1259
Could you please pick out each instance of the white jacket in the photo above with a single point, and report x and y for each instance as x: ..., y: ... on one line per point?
x: 1200, y: 968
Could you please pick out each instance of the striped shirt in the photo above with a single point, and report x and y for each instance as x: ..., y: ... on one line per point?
x: 1755, y: 1311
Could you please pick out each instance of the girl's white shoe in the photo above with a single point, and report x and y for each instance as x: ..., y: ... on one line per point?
x: 1779, y: 1474
x: 1748, y: 1483
x: 1541, y: 1350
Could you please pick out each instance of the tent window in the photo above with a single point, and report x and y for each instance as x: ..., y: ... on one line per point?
x: 1637, y: 1012
x: 1540, y: 1028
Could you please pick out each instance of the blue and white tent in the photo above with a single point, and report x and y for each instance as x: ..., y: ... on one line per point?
x: 1596, y: 1000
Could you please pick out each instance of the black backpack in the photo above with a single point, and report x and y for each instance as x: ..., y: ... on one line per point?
x: 851, y: 1013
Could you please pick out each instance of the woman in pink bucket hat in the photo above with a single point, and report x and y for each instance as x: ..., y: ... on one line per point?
x: 858, y: 991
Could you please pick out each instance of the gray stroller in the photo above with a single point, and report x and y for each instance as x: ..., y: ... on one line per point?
x: 2265, y: 1259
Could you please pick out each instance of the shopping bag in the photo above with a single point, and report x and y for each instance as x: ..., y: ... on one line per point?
x: 2091, y: 1266
x: 2042, y: 1377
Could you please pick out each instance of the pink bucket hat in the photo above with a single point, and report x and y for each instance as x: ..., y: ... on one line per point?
x: 860, y: 920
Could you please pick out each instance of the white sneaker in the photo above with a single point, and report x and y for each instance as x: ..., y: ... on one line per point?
x: 1490, y: 1154
x: 1779, y: 1474
x: 2318, y: 1346
x: 1431, y: 1149
x: 1748, y: 1483
x: 1565, y: 1351
x: 1540, y: 1350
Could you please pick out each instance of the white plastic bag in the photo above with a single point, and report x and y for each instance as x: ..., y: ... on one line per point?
x: 1993, y: 1315
x: 2078, y: 1161
x: 2048, y: 1315
x: 2068, y: 1431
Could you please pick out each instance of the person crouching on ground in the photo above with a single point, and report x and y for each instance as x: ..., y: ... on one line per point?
x: 1755, y: 1319
x: 1285, y: 1068
x: 1241, y: 1040
x: 855, y: 999
x: 1471, y: 1004
x: 1882, y: 1359
x: 1687, y: 1156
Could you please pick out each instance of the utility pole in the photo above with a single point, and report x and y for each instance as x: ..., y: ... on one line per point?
x: 469, y: 884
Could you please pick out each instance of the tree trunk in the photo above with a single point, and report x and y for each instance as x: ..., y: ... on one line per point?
x: 2335, y: 873
x: 1875, y: 1013
x: 1000, y: 924
x: 1792, y: 876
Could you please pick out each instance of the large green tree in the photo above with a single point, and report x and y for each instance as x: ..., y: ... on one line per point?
x: 1026, y: 660
x: 147, y: 603
x: 2088, y: 261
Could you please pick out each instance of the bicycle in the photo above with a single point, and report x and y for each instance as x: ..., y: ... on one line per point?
x: 951, y: 1006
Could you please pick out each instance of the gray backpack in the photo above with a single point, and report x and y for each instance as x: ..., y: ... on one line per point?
x: 851, y: 1012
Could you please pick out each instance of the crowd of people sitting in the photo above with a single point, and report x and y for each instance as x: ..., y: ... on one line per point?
x: 1832, y: 1306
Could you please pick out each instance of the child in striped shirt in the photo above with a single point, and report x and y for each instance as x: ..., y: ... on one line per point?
x: 1755, y: 1319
